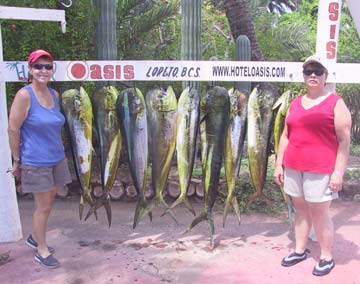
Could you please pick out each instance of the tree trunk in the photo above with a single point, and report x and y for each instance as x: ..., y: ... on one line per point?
x: 240, y: 22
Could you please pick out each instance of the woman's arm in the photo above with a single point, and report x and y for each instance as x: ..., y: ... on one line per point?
x: 279, y: 171
x: 18, y: 113
x: 342, y: 121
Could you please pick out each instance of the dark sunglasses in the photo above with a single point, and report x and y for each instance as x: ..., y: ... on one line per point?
x: 39, y: 66
x: 317, y: 72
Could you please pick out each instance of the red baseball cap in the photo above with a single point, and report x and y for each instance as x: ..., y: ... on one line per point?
x: 36, y: 54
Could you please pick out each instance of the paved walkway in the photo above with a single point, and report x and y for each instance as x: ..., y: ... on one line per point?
x: 158, y: 252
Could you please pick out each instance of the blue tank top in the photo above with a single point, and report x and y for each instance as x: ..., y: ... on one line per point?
x: 40, y: 134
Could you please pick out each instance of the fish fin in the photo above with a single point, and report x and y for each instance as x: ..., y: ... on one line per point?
x: 181, y: 199
x: 231, y: 200
x: 202, y: 217
x: 141, y: 206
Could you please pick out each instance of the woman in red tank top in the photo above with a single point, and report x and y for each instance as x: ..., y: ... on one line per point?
x: 311, y: 161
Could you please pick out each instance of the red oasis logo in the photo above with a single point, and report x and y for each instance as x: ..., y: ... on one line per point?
x: 81, y: 71
x: 333, y: 10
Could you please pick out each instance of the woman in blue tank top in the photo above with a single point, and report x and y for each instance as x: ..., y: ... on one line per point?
x: 35, y: 124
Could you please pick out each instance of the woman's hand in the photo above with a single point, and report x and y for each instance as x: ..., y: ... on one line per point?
x: 16, y: 171
x: 336, y: 181
x: 279, y: 175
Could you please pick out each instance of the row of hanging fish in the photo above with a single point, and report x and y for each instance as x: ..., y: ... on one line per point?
x: 222, y: 118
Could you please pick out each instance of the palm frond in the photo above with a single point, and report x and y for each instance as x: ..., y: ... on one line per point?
x: 293, y: 37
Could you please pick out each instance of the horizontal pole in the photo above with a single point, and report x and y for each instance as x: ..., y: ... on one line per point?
x: 142, y: 70
x: 19, y: 13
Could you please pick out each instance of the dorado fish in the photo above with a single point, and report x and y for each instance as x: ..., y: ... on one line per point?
x: 187, y: 129
x: 110, y: 142
x: 259, y: 126
x: 77, y: 109
x: 282, y: 105
x: 234, y: 143
x: 162, y: 116
x: 132, y: 117
x: 215, y: 107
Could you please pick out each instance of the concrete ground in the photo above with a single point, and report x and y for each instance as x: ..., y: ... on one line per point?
x: 158, y: 252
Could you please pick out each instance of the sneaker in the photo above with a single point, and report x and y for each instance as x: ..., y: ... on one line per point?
x: 323, y: 267
x: 33, y: 244
x: 294, y: 258
x: 49, y: 261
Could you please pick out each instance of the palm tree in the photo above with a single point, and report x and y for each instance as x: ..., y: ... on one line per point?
x: 237, y: 12
x: 137, y: 18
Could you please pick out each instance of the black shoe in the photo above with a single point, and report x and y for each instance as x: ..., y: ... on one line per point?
x: 49, y: 261
x: 323, y: 267
x: 294, y: 258
x: 33, y: 244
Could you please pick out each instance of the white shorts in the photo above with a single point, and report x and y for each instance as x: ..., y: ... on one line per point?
x: 312, y: 187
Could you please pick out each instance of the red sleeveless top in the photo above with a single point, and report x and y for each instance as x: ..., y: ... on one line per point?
x: 312, y: 139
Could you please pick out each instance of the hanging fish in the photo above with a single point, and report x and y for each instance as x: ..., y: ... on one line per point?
x: 234, y: 143
x: 162, y: 121
x: 132, y: 117
x: 282, y: 105
x: 215, y: 106
x: 187, y: 128
x: 77, y: 109
x: 259, y: 126
x: 110, y: 143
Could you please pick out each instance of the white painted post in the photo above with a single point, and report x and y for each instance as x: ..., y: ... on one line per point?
x: 10, y: 225
x: 327, y: 36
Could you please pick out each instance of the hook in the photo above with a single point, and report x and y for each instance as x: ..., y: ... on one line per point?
x: 66, y: 5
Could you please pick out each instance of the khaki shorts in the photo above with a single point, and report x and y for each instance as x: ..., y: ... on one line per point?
x: 44, y: 179
x: 312, y: 187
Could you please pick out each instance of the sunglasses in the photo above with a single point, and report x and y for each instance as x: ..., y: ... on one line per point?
x: 39, y: 66
x: 317, y: 72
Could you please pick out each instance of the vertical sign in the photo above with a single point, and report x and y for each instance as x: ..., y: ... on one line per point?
x: 329, y: 12
x: 327, y: 35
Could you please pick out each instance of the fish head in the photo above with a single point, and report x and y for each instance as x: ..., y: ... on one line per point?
x: 165, y: 100
x: 215, y: 99
x: 77, y: 103
x: 110, y: 95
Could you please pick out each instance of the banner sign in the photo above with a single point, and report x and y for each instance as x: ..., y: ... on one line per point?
x: 259, y: 71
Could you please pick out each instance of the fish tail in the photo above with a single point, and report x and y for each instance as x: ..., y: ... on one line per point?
x: 202, y: 217
x: 259, y: 195
x: 167, y: 209
x: 231, y: 200
x: 145, y: 211
x: 141, y: 211
x: 81, y: 207
x: 210, y: 220
x: 181, y: 199
x: 104, y: 200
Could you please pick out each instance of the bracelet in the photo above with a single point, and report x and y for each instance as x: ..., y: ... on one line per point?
x: 338, y: 172
x: 17, y: 160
